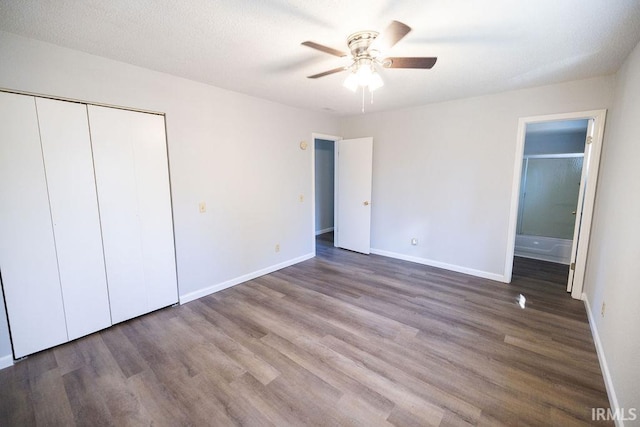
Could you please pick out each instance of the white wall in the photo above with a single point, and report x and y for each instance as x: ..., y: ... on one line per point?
x: 613, y: 270
x: 324, y: 173
x: 443, y: 172
x: 237, y: 153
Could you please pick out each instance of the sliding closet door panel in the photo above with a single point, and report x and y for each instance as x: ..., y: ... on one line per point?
x: 115, y: 180
x: 133, y: 191
x: 154, y: 204
x: 66, y: 146
x: 27, y: 250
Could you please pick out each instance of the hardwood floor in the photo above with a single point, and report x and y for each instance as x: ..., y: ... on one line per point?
x: 341, y: 339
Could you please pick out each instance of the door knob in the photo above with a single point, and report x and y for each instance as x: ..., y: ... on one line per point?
x: 366, y: 203
x: 573, y: 213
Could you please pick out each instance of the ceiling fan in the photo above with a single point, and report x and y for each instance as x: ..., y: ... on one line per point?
x: 367, y: 49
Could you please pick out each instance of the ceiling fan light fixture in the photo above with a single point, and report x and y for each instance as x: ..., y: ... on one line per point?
x: 375, y: 82
x: 351, y: 82
x: 363, y: 75
x: 367, y: 49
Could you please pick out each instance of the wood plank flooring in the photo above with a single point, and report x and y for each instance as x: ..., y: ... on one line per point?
x: 341, y: 339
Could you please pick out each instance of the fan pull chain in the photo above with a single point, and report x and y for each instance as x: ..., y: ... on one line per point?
x: 371, y: 93
x: 362, y: 99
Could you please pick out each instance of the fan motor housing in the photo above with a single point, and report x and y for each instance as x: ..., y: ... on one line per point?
x: 359, y: 43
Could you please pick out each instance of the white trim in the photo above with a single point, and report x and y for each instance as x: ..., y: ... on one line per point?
x: 608, y: 381
x: 324, y: 230
x: 326, y: 137
x: 78, y: 101
x: 439, y: 264
x: 598, y: 116
x: 236, y: 281
x: 593, y: 165
x: 515, y: 200
x: 6, y: 361
x: 552, y: 156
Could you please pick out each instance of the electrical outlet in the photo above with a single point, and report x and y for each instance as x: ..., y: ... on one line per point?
x: 414, y: 241
x: 602, y: 311
x: 202, y: 207
x: 277, y: 247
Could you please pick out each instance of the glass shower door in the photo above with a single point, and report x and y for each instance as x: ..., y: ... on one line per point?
x: 549, y: 196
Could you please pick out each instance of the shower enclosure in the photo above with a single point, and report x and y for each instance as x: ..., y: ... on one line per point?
x: 547, y: 209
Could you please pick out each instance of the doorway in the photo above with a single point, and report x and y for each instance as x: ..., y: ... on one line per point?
x: 324, y: 211
x: 544, y: 182
x: 350, y: 216
x: 549, y: 189
x: 324, y: 150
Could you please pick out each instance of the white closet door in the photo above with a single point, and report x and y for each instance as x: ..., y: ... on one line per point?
x: 132, y: 177
x: 27, y: 250
x: 66, y: 146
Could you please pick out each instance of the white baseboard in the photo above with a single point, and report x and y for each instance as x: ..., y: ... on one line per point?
x: 6, y: 361
x: 224, y: 285
x: 608, y: 382
x: 324, y: 230
x: 443, y: 265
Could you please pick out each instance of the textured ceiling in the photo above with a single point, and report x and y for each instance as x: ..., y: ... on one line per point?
x: 253, y: 46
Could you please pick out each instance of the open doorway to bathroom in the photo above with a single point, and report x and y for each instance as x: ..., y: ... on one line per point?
x: 549, y: 190
x: 548, y: 221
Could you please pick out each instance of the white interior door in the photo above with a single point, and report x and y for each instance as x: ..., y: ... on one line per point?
x: 354, y: 159
x: 578, y: 232
x: 132, y: 178
x: 66, y: 147
x: 27, y: 250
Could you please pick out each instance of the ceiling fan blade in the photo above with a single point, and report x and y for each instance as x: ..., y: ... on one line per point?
x: 325, y: 49
x: 326, y: 73
x: 409, y: 62
x: 390, y: 36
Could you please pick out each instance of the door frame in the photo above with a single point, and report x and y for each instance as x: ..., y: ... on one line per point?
x: 592, y: 164
x: 335, y: 140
